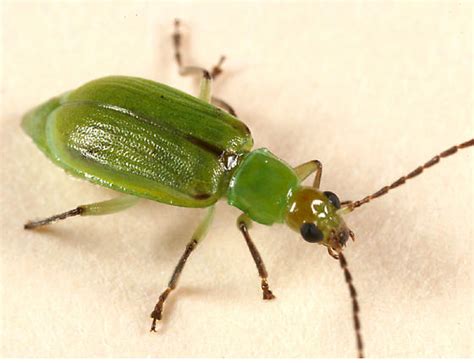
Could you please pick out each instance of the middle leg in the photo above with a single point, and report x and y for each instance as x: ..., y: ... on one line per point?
x: 198, y: 235
x: 244, y: 223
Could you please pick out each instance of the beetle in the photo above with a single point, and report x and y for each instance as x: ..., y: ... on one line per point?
x: 148, y: 140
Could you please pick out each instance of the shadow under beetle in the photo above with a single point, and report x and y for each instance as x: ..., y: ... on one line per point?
x: 148, y: 140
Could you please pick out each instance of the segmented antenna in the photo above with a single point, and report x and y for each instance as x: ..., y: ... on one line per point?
x: 452, y: 150
x: 355, y: 305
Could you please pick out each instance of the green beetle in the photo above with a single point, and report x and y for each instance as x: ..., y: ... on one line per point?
x: 148, y: 140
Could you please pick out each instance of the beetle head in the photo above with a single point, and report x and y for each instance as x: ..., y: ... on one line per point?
x: 314, y: 214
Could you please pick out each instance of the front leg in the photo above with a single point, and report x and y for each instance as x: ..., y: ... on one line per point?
x: 244, y: 223
x: 305, y: 170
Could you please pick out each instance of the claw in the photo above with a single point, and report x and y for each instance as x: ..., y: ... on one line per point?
x: 155, y: 315
x: 153, y: 326
x: 267, y: 293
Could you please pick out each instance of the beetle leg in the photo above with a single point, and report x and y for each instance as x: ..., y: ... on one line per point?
x: 305, y: 170
x: 95, y: 209
x: 197, y: 237
x: 244, y: 223
x: 205, y: 87
x: 192, y: 70
x: 183, y: 70
x: 189, y: 70
x: 224, y: 105
x: 216, y: 70
x: 206, y: 80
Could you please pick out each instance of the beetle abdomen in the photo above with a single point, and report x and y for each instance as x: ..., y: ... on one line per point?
x: 141, y: 138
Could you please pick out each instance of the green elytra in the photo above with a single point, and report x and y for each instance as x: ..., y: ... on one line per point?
x: 148, y: 140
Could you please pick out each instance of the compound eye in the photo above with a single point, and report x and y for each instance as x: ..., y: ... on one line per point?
x: 333, y: 199
x: 311, y: 233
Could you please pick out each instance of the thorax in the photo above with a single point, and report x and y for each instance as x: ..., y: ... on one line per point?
x: 261, y: 187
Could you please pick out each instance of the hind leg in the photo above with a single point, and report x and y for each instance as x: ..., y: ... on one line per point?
x: 95, y: 209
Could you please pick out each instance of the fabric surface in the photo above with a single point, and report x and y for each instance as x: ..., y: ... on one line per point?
x: 371, y: 89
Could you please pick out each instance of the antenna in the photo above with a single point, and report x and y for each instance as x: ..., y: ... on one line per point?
x: 434, y: 160
x: 355, y: 305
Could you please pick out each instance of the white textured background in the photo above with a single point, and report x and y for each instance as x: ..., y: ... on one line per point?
x: 371, y: 89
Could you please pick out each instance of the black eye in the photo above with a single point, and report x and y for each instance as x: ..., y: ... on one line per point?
x: 311, y: 233
x: 333, y: 199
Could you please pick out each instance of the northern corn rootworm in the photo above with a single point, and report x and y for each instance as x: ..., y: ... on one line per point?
x: 147, y: 140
